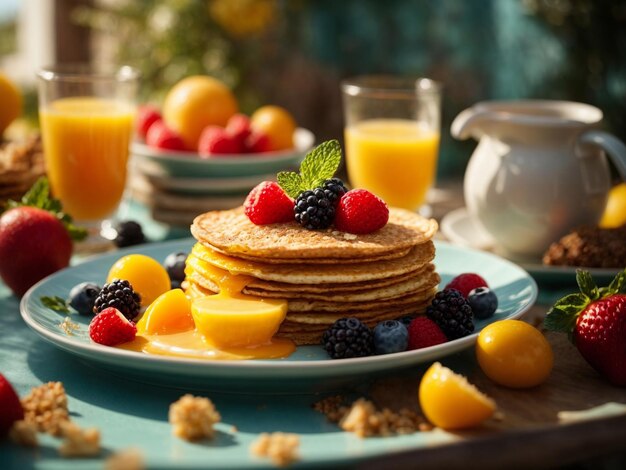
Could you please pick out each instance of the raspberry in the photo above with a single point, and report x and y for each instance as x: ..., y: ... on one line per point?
x: 215, y: 139
x: 267, y: 203
x: 466, y: 282
x: 390, y: 336
x: 10, y: 407
x: 110, y: 327
x: 119, y: 294
x: 423, y: 332
x: 146, y: 116
x: 451, y: 312
x: 314, y: 209
x: 238, y: 127
x: 258, y: 142
x: 360, y: 211
x: 162, y: 137
x: 348, y: 337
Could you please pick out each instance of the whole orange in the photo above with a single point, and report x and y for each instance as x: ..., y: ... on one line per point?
x: 195, y: 103
x: 11, y: 100
x: 277, y: 123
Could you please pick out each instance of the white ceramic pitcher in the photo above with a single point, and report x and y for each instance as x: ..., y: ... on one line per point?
x: 538, y: 171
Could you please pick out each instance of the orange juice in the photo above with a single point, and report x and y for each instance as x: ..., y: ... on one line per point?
x: 86, y: 147
x: 395, y: 159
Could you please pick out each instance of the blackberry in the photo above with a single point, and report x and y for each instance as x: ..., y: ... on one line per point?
x: 334, y: 189
x: 348, y: 337
x: 314, y: 209
x: 119, y: 294
x: 128, y: 233
x: 451, y: 312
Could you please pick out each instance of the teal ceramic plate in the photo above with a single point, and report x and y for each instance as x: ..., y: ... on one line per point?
x: 308, y: 368
x: 190, y: 165
x: 208, y: 186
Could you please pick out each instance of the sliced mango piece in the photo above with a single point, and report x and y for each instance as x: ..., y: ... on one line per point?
x: 169, y: 313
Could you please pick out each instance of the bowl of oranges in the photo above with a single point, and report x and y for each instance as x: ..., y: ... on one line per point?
x: 200, y: 133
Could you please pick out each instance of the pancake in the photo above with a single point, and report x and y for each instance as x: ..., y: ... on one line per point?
x: 232, y: 232
x: 202, y: 259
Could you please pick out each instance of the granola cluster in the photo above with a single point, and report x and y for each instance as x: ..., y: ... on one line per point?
x: 24, y: 433
x: 364, y: 419
x: 281, y: 448
x: 79, y: 442
x: 193, y: 418
x: 46, y: 407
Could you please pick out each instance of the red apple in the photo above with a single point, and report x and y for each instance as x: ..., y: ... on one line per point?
x: 33, y: 244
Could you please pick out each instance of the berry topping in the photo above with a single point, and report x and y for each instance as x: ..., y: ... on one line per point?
x: 119, y: 294
x: 146, y: 116
x: 10, y: 407
x: 258, y: 142
x: 406, y: 320
x: 483, y: 301
x: 348, y: 337
x: 466, y: 282
x: 360, y: 211
x: 238, y: 127
x: 215, y: 139
x: 390, y: 336
x: 174, y: 264
x: 83, y: 296
x: 162, y: 137
x: 334, y: 189
x: 314, y: 209
x: 423, y: 332
x: 451, y: 312
x: 128, y: 233
x: 110, y: 327
x: 267, y: 203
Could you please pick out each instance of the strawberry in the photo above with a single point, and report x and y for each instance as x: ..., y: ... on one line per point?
x: 258, y: 142
x: 110, y: 327
x: 238, y: 127
x: 146, y: 116
x: 595, y: 319
x: 267, y: 203
x: 215, y: 139
x: 360, y: 211
x: 466, y: 282
x: 162, y: 137
x: 423, y: 332
x: 10, y: 407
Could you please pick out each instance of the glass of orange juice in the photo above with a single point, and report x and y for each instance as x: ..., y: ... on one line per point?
x: 86, y: 118
x: 392, y: 130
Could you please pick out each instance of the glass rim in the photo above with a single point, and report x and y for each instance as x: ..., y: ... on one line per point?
x: 83, y: 72
x: 390, y: 86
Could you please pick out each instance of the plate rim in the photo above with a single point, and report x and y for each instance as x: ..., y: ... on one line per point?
x: 87, y: 350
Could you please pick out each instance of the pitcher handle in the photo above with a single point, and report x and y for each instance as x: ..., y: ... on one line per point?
x: 614, y: 148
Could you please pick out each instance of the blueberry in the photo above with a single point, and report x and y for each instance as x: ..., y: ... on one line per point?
x: 175, y: 266
x: 390, y: 336
x: 174, y: 284
x: 483, y: 302
x: 128, y: 233
x: 83, y: 296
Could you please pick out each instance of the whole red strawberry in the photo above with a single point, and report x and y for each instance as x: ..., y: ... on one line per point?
x: 595, y: 318
x: 110, y: 327
x: 162, y: 137
x: 146, y: 116
x: 238, y: 127
x: 267, y: 203
x: 216, y: 140
x: 10, y: 407
x: 360, y: 211
x: 466, y: 282
x: 423, y: 332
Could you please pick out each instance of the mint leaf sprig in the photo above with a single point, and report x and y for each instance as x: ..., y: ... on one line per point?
x: 39, y: 196
x: 318, y: 165
x: 55, y: 303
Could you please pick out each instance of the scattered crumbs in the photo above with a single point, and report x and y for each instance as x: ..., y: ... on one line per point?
x: 281, y: 447
x: 234, y: 429
x: 127, y: 459
x: 193, y: 418
x: 349, y: 236
x: 46, y: 407
x: 79, y: 442
x: 24, y: 433
x: 68, y: 326
x: 364, y: 419
x: 335, y: 233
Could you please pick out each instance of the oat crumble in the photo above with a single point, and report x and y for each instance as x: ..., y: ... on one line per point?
x: 127, y: 459
x: 281, y: 447
x: 79, y: 442
x: 46, y: 407
x: 24, y: 433
x: 193, y: 418
x: 68, y: 326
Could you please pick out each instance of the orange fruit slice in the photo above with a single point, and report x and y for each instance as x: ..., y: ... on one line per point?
x: 11, y: 100
x: 169, y: 313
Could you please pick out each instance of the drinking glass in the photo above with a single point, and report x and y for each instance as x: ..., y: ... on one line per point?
x: 392, y: 131
x: 86, y: 117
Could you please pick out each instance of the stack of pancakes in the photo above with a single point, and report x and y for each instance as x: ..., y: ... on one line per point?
x: 324, y: 275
